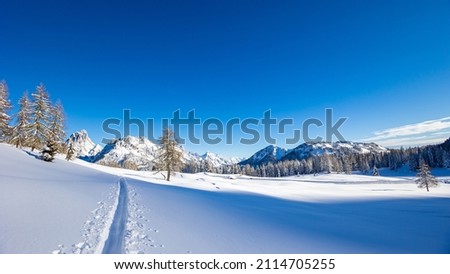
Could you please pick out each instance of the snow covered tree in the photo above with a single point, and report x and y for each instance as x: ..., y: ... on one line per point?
x: 169, y: 155
x: 57, y: 126
x: 49, y: 151
x: 70, y: 153
x: 375, y: 171
x: 41, y: 114
x: 20, y: 132
x: 424, y: 177
x: 5, y: 106
x: 208, y: 166
x: 346, y: 165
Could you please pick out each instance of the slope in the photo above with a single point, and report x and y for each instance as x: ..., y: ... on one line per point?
x: 46, y: 205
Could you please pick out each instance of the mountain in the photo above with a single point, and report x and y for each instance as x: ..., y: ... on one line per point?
x: 266, y: 155
x: 213, y: 158
x: 272, y: 154
x: 130, y: 152
x: 82, y: 144
x: 307, y: 150
x: 139, y: 153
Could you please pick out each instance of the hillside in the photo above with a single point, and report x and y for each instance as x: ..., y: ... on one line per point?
x: 69, y: 207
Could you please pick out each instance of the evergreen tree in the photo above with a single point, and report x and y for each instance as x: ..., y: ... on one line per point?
x: 49, y: 151
x: 39, y: 128
x: 375, y: 171
x: 21, y: 134
x: 446, y: 159
x: 169, y: 155
x: 425, y: 179
x: 5, y: 106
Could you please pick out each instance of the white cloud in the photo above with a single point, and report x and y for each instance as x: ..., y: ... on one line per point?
x: 427, y: 132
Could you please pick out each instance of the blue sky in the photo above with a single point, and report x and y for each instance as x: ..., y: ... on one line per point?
x: 383, y: 64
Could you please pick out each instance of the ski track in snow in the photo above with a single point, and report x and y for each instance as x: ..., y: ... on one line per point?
x: 114, y: 243
x: 116, y: 226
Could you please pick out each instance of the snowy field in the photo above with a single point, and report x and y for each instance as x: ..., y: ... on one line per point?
x: 78, y: 207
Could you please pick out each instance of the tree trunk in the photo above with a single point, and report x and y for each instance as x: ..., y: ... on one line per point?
x: 168, y: 174
x: 427, y: 187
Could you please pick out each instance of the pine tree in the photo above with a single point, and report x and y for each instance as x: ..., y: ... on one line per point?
x: 20, y: 132
x: 446, y: 159
x: 425, y: 179
x: 39, y: 128
x: 49, y: 151
x: 169, y: 155
x: 5, y: 106
x: 70, y: 153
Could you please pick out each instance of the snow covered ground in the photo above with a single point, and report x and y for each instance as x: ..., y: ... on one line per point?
x: 79, y: 207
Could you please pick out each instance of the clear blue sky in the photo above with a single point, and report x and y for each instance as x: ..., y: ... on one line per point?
x: 382, y: 64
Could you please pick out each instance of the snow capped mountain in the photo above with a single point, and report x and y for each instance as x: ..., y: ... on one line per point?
x: 130, y: 152
x: 82, y: 144
x: 306, y: 150
x: 268, y: 154
x: 138, y: 153
x: 271, y: 154
x: 213, y: 158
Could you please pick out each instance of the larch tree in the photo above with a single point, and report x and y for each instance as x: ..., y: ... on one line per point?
x: 57, y: 125
x: 424, y: 177
x: 5, y: 106
x: 169, y: 154
x: 70, y: 153
x: 20, y: 132
x: 41, y: 115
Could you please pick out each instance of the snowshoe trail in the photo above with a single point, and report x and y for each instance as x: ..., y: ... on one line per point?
x: 117, y: 226
x: 115, y: 242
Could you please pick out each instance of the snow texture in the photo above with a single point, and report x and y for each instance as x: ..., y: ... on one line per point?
x: 80, y: 207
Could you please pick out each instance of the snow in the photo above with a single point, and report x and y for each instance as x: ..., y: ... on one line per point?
x: 306, y: 150
x: 82, y: 144
x: 268, y: 154
x: 214, y: 159
x: 81, y: 207
x: 138, y: 151
x: 44, y: 205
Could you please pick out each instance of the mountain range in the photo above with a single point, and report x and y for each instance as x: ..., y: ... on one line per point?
x: 134, y: 153
x: 139, y: 153
x: 271, y: 154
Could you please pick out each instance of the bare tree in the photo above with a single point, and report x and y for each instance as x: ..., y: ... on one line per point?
x: 424, y: 177
x: 5, y: 106
x: 20, y: 133
x: 70, y: 153
x: 39, y: 127
x: 57, y: 125
x: 169, y: 155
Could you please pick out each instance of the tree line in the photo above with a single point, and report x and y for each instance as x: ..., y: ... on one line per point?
x: 38, y: 124
x: 368, y: 163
